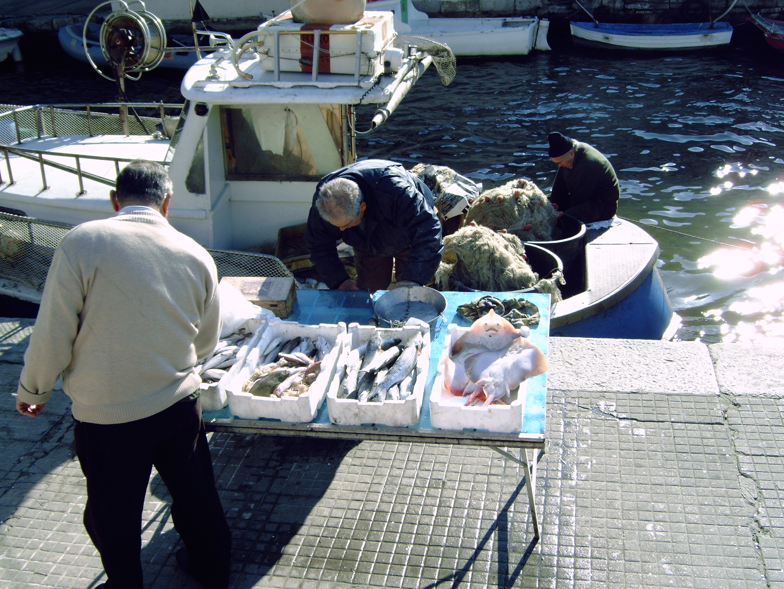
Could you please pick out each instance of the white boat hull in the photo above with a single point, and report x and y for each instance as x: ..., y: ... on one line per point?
x: 9, y: 44
x: 469, y: 37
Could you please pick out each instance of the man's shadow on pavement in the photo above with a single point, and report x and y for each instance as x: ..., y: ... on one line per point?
x: 268, y: 486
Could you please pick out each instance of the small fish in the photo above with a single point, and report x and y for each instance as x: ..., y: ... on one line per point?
x: 382, y: 359
x: 217, y: 359
x: 295, y: 376
x: 407, y: 385
x: 213, y: 374
x: 402, y: 367
x: 290, y: 345
x: 264, y: 386
x: 373, y: 394
x: 296, y: 358
x: 270, y: 353
x: 373, y: 348
x: 349, y: 384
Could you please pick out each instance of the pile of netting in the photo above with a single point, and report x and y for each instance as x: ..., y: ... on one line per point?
x: 479, y: 258
x: 518, y: 206
x: 451, y: 192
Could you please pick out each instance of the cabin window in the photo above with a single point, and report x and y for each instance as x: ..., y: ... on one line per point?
x: 276, y: 140
x: 195, y: 181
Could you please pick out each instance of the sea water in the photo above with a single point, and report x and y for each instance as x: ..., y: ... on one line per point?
x: 694, y: 139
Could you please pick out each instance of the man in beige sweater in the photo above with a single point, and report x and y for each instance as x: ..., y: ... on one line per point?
x: 129, y: 307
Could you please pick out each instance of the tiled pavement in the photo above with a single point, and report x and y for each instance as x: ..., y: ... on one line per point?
x: 662, y: 469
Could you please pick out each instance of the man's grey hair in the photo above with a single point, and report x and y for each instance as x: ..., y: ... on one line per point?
x: 143, y: 182
x: 339, y: 199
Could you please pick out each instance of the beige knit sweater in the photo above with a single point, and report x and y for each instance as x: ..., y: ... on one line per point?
x: 130, y: 305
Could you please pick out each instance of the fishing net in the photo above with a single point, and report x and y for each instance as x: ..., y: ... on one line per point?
x: 443, y: 58
x: 451, y: 191
x: 519, y: 206
x: 479, y: 258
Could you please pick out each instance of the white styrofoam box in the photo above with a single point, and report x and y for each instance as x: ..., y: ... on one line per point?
x: 291, y: 409
x: 392, y: 413
x: 338, y: 45
x: 213, y: 394
x: 448, y: 411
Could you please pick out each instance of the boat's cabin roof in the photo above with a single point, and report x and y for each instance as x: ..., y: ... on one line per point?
x: 274, y: 64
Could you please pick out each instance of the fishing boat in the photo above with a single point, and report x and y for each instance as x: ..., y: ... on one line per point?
x: 651, y: 37
x: 467, y: 36
x: 772, y: 29
x: 264, y: 118
x: 9, y: 44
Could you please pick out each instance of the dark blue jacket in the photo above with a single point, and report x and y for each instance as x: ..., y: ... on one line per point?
x: 400, y: 214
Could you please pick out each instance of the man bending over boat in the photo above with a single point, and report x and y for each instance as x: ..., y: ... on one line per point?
x: 386, y: 214
x: 585, y: 185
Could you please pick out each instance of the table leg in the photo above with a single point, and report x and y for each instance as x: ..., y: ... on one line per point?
x: 530, y: 463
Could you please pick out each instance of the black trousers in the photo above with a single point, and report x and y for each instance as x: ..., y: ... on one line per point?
x: 117, y: 461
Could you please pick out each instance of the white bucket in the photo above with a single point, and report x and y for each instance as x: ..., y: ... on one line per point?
x: 327, y: 12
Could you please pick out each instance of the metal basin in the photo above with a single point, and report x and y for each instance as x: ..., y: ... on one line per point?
x: 397, y: 306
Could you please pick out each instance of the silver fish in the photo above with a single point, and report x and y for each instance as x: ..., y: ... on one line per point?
x: 373, y: 348
x: 400, y: 369
x: 382, y: 360
x: 365, y: 384
x: 271, y: 351
x: 372, y: 393
x: 349, y: 384
x: 407, y: 385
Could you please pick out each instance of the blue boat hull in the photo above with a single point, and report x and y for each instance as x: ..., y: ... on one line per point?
x: 642, y: 37
x: 645, y: 314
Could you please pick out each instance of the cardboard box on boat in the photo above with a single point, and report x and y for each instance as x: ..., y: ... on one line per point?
x: 448, y: 411
x: 402, y: 413
x: 300, y: 409
x: 274, y: 293
x: 343, y: 47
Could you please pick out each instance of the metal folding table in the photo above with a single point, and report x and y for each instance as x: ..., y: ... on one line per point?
x: 313, y: 307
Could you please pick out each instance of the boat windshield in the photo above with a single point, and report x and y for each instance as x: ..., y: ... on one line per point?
x: 282, y: 141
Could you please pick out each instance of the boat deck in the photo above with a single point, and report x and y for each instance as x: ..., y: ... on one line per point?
x: 37, y: 190
x: 618, y: 260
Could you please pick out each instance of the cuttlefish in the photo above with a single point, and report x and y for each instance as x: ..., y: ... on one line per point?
x: 490, y: 360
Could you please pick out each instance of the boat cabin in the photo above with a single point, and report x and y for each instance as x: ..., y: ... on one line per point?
x: 263, y: 121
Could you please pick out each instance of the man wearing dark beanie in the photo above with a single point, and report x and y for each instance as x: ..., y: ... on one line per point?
x: 585, y: 185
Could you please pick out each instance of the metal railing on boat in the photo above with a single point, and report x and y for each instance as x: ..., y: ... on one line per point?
x: 27, y: 246
x: 37, y: 122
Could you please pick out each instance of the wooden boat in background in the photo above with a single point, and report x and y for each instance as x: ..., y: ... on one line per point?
x: 651, y: 37
x: 772, y: 29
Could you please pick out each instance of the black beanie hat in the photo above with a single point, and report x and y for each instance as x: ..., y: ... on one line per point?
x: 559, y: 144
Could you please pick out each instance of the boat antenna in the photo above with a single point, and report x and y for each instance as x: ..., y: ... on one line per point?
x: 198, y: 14
x: 588, y: 12
x: 725, y: 13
